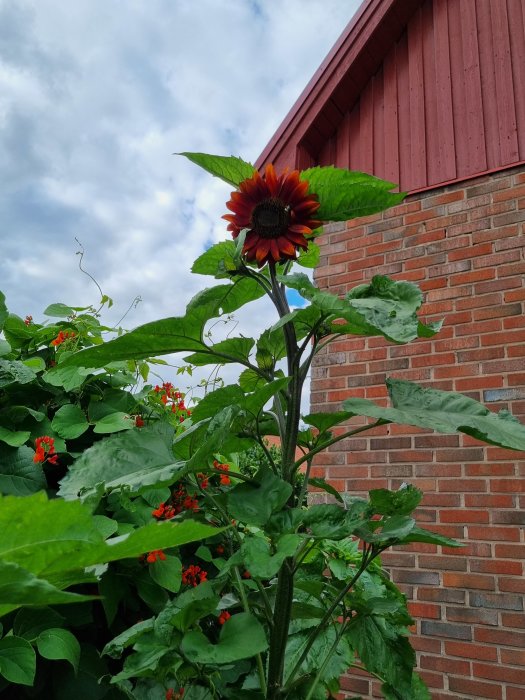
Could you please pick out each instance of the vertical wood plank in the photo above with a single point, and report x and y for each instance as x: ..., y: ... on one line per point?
x: 391, y: 118
x: 367, y: 129
x: 504, y: 83
x: 379, y: 125
x: 403, y: 109
x: 416, y: 101
x: 443, y: 90
x: 516, y: 14
x: 488, y: 84
x: 355, y: 136
x: 343, y: 143
x: 433, y: 155
x: 473, y: 117
x: 457, y: 75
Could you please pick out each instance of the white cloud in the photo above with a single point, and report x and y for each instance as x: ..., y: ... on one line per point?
x: 96, y: 96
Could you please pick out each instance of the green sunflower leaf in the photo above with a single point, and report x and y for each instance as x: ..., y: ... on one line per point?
x: 444, y: 412
x: 219, y: 260
x: 231, y: 169
x: 171, y: 335
x: 345, y: 194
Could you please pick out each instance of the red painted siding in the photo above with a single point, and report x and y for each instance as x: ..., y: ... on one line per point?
x: 447, y: 103
x: 419, y: 92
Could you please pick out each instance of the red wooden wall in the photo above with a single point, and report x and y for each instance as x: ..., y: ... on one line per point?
x: 448, y: 101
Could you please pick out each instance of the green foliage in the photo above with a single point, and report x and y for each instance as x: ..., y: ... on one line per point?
x: 147, y: 549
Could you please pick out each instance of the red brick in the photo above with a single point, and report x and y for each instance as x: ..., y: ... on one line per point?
x: 476, y: 689
x: 498, y: 672
x: 471, y: 651
x: 478, y: 581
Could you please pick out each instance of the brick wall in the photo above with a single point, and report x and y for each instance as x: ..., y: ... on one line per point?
x: 463, y: 245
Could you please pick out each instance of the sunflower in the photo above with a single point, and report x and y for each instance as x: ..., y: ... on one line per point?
x: 278, y: 213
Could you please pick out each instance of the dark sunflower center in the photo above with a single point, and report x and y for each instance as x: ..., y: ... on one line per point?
x: 270, y: 218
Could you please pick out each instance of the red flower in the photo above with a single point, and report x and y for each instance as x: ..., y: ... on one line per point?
x: 219, y: 549
x: 172, y: 695
x: 164, y: 512
x: 194, y: 575
x: 62, y: 337
x: 279, y: 213
x: 203, y: 480
x: 246, y: 574
x: 156, y: 554
x: 225, y: 615
x: 139, y: 422
x: 28, y: 320
x: 45, y: 450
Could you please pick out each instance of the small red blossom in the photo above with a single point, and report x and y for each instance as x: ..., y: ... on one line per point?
x: 164, y: 512
x: 246, y: 574
x: 139, y: 422
x: 194, y: 575
x: 225, y: 615
x: 172, y: 695
x: 219, y: 549
x: 62, y: 337
x: 203, y: 480
x: 45, y: 450
x: 28, y: 320
x: 224, y: 479
x: 155, y: 555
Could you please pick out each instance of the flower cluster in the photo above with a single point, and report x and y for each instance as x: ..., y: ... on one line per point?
x: 224, y: 478
x: 172, y: 695
x: 194, y: 575
x: 225, y: 615
x: 45, y: 450
x: 180, y: 500
x: 62, y: 337
x: 155, y: 555
x: 28, y: 320
x: 172, y: 399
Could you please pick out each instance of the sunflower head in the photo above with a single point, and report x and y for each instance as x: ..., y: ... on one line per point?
x: 278, y: 213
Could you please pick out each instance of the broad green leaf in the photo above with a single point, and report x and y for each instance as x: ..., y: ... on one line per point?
x: 70, y: 378
x: 325, y: 421
x: 249, y: 380
x: 241, y: 637
x: 127, y: 638
x: 417, y: 690
x: 418, y: 534
x: 16, y: 332
x: 113, y: 423
x: 19, y: 475
x: 310, y: 257
x: 56, y: 643
x: 167, y: 573
x: 49, y: 537
x: 224, y: 352
x: 445, y: 412
x: 344, y: 194
x: 5, y: 348
x: 332, y: 521
x: 258, y: 558
x: 29, y: 622
x: 17, y: 660
x: 330, y: 656
x: 231, y: 169
x: 190, y: 606
x: 320, y: 483
x: 59, y: 310
x: 20, y: 587
x: 215, y: 401
x: 13, y: 438
x: 216, y: 434
x: 383, y: 649
x: 253, y: 504
x: 15, y: 372
x: 400, y: 502
x: 135, y: 458
x: 70, y: 421
x: 36, y: 364
x: 171, y: 335
x: 4, y: 313
x: 218, y: 261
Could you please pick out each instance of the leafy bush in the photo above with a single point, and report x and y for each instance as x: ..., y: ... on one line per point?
x: 152, y: 551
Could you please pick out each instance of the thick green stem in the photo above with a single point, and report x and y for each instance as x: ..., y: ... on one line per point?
x: 279, y: 635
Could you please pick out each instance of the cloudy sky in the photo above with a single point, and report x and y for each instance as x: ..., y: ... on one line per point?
x: 96, y: 96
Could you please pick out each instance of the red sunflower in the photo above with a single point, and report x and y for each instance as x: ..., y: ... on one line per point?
x: 278, y: 213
